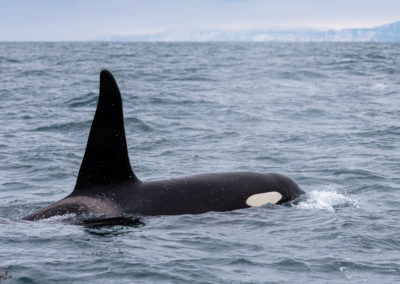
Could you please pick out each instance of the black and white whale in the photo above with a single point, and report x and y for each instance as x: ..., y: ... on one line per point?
x: 107, y: 186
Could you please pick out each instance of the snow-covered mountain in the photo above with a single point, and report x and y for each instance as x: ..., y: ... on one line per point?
x: 384, y: 33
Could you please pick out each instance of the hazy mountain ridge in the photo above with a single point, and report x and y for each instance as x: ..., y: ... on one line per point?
x: 384, y: 33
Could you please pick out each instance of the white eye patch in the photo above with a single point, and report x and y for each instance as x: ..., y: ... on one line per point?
x: 261, y: 199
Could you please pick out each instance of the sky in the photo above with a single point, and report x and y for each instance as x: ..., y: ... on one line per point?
x: 58, y: 20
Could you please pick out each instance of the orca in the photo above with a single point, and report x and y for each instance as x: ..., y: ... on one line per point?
x: 107, y: 186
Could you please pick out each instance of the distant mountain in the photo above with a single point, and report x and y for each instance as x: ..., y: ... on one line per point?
x: 384, y: 33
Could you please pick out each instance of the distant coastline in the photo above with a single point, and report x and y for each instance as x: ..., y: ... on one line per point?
x: 385, y: 33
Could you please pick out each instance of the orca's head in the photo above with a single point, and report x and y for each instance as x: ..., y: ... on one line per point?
x: 285, y: 186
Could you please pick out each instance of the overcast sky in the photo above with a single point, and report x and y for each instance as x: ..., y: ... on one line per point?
x: 89, y: 19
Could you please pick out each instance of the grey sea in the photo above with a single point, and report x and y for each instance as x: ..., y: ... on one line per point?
x: 325, y: 114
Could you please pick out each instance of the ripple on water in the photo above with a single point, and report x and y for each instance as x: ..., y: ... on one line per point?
x: 325, y: 114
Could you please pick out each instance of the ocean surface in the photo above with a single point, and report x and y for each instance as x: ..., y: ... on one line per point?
x: 325, y: 114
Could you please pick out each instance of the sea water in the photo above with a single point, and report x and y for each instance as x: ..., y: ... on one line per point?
x: 325, y: 114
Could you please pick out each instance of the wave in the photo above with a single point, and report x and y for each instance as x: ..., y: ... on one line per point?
x: 328, y: 200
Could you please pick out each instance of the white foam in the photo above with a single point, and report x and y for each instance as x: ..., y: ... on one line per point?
x: 58, y: 218
x: 326, y: 200
x: 378, y: 86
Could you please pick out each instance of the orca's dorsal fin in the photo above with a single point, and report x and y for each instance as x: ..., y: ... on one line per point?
x: 106, y: 161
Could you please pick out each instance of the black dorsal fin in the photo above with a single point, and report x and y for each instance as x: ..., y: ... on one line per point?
x: 106, y: 161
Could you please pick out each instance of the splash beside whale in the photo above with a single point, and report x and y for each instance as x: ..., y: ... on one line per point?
x: 106, y: 184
